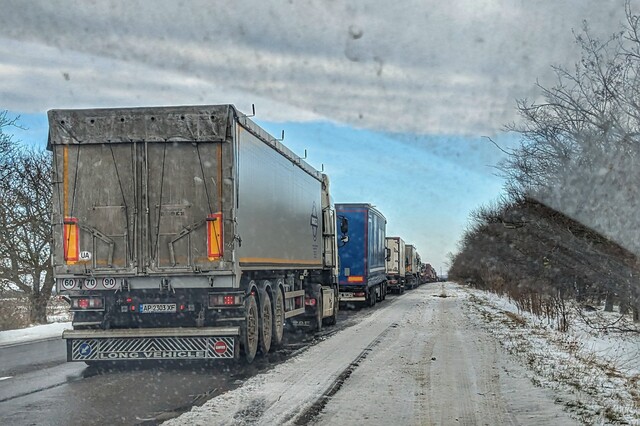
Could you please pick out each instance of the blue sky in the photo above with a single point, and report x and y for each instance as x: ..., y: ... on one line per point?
x: 424, y: 185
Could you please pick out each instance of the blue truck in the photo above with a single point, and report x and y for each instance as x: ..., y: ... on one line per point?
x: 362, y: 253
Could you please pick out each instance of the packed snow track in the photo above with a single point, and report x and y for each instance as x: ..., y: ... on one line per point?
x: 417, y: 360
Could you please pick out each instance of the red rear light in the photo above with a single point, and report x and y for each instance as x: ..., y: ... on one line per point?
x: 129, y: 300
x: 225, y: 299
x: 360, y: 294
x: 310, y: 301
x: 182, y: 307
x: 133, y: 308
x: 91, y: 302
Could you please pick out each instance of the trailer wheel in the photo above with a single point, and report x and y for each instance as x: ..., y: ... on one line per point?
x: 278, y: 319
x: 372, y: 297
x: 266, y: 323
x: 250, y: 329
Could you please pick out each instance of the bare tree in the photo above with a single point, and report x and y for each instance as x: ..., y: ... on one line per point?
x: 580, y: 145
x: 573, y: 189
x: 25, y: 222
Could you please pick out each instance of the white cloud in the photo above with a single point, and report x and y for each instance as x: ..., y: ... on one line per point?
x: 39, y: 77
x: 413, y: 66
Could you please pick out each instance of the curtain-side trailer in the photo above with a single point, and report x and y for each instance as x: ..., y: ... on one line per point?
x: 395, y: 264
x: 412, y: 267
x: 362, y: 276
x: 185, y: 233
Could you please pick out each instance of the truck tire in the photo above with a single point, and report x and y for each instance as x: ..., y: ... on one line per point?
x: 278, y: 319
x: 250, y: 329
x: 265, y: 323
x: 372, y: 297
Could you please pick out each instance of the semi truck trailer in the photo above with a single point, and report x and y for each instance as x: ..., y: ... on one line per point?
x: 185, y: 233
x: 412, y: 267
x: 428, y: 273
x: 395, y: 264
x: 362, y: 276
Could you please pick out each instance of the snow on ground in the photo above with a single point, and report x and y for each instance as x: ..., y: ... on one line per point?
x: 440, y: 367
x: 596, y: 372
x: 430, y: 356
x: 286, y: 392
x: 37, y: 332
x: 416, y: 359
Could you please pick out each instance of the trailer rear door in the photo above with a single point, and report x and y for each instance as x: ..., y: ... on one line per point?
x: 138, y: 190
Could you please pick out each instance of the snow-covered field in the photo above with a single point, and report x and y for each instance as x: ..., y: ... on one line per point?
x: 58, y: 316
x: 595, y: 373
x: 14, y: 312
x: 37, y: 332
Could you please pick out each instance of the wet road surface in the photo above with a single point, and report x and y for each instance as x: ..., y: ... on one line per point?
x: 39, y: 387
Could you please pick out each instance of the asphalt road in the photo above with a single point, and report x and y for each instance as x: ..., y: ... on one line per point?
x: 24, y: 357
x: 38, y: 386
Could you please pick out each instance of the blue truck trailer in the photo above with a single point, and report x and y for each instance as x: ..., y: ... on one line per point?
x: 362, y: 253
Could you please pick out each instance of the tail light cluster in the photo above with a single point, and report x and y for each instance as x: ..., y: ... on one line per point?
x: 221, y: 300
x: 310, y: 301
x: 87, y: 303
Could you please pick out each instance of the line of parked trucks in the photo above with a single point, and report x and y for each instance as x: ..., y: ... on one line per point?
x: 191, y: 233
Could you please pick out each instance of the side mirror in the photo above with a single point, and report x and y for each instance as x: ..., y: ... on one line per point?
x: 387, y: 253
x: 344, y: 225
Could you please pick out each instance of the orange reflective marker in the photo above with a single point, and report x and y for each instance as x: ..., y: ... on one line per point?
x: 71, y: 236
x: 215, y: 241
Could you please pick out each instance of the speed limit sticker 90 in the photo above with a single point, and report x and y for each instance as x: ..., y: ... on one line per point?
x: 109, y: 283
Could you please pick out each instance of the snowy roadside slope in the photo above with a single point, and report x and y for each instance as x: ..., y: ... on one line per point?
x: 593, y: 373
x: 286, y: 393
x: 30, y: 334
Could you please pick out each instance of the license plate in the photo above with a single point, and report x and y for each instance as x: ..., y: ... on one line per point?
x: 158, y: 308
x: 346, y: 295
